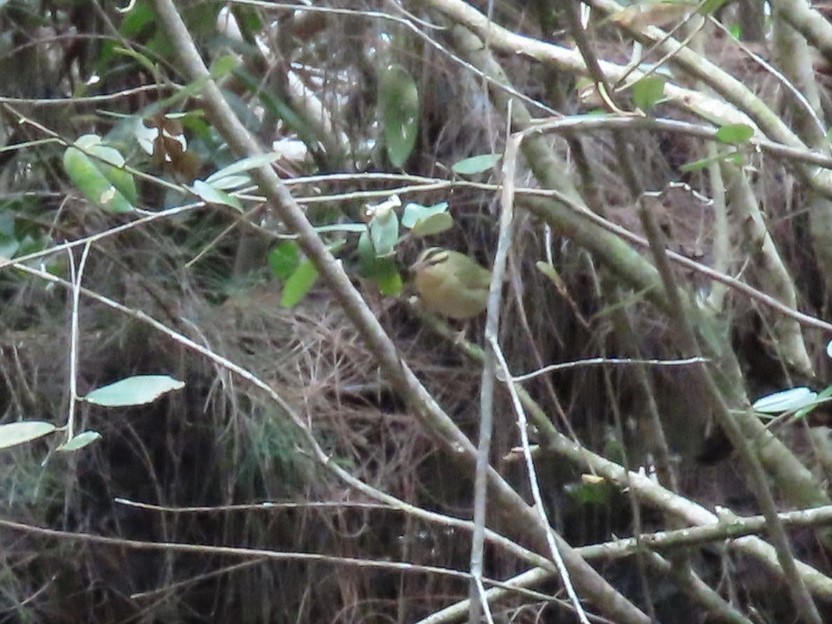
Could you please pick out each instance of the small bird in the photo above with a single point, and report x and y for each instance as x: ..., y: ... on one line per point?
x: 450, y: 283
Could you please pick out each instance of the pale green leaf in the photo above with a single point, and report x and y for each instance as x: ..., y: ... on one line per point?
x: 78, y: 442
x: 433, y: 224
x: 211, y: 195
x: 648, y: 92
x: 384, y: 232
x: 138, y: 390
x: 785, y: 401
x: 427, y: 220
x: 476, y: 164
x: 399, y: 109
x: 244, y: 164
x: 822, y: 398
x: 735, y: 133
x: 13, y: 434
x: 8, y: 247
x: 230, y: 182
x: 413, y: 213
x: 223, y: 66
x: 366, y: 255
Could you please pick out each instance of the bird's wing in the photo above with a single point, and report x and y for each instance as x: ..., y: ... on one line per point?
x: 482, y: 279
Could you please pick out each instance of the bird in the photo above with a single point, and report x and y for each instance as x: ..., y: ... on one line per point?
x: 450, y: 284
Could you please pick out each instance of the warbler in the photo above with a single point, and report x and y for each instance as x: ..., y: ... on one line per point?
x: 450, y: 283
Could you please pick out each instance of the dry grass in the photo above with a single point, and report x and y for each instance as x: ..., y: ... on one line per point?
x: 219, y: 443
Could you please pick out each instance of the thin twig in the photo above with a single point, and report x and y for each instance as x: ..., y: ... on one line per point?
x: 76, y: 277
x: 601, y: 361
x: 523, y: 425
x: 235, y: 551
x: 492, y: 328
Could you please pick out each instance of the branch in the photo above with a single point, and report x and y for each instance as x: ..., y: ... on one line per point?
x: 442, y: 428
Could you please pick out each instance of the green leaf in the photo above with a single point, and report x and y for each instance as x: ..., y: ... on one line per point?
x: 366, y: 255
x: 785, y: 401
x: 387, y: 277
x: 399, y: 108
x: 13, y: 434
x: 92, y: 183
x: 648, y: 91
x: 78, y: 442
x: 301, y: 280
x: 823, y: 397
x: 112, y: 166
x: 590, y: 493
x: 735, y: 133
x: 476, y: 164
x: 384, y: 232
x: 7, y: 222
x: 211, y: 195
x: 384, y: 272
x: 250, y: 20
x: 223, y: 66
x: 138, y: 390
x: 244, y: 164
x: 140, y: 17
x: 8, y: 247
x: 427, y: 220
x: 413, y: 213
x: 228, y: 183
x: 299, y: 284
x: 100, y: 178
x: 284, y: 260
x: 433, y: 225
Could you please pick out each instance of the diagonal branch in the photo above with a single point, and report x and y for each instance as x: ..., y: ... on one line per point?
x: 426, y: 410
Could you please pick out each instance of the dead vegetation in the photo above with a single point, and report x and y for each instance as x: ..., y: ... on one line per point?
x: 195, y: 467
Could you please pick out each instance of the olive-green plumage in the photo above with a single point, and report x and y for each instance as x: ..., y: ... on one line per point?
x: 450, y: 283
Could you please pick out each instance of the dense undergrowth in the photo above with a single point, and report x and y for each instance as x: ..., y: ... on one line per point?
x: 223, y: 500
